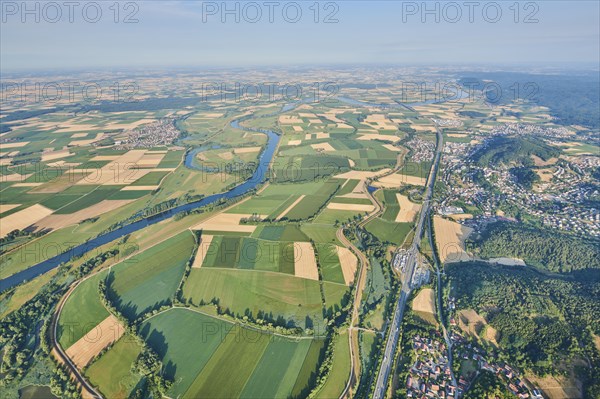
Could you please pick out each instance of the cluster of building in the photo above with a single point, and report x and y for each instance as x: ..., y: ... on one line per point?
x: 422, y: 150
x: 430, y: 376
x: 160, y: 133
x: 561, y: 202
x: 448, y: 122
x: 467, y: 351
x: 532, y: 129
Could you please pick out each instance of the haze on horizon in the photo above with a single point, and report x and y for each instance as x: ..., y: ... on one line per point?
x: 184, y: 33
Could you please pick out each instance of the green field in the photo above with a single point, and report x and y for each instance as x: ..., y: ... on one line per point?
x: 311, y: 204
x: 150, y: 179
x: 340, y: 370
x: 112, y: 373
x: 321, y: 233
x: 95, y: 195
x: 391, y: 232
x: 330, y: 216
x: 150, y: 279
x: 211, y: 358
x: 82, y: 312
x: 171, y: 159
x: 390, y: 203
x: 296, y: 300
x: 250, y: 253
x: 185, y: 341
x: 288, y: 232
x: 276, y: 198
x: 329, y: 261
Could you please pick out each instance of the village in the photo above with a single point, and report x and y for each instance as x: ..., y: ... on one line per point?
x: 559, y: 200
x: 431, y: 376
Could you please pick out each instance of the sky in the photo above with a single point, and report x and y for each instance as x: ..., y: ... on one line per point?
x: 203, y: 34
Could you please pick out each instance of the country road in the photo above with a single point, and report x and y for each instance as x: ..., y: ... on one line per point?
x: 88, y: 390
x: 360, y: 285
x: 394, y: 333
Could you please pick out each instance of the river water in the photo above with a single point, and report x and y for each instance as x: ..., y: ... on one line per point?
x: 258, y: 177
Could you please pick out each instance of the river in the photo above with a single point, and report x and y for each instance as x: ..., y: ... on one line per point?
x: 258, y: 177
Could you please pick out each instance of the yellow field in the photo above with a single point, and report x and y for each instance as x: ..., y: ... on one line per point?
x: 23, y: 218
x: 52, y: 155
x: 14, y: 177
x: 245, y: 150
x: 58, y: 221
x: 461, y: 216
x: 139, y: 188
x: 350, y: 207
x: 289, y: 208
x: 395, y: 180
x: 348, y: 262
x: 227, y: 222
x: 380, y: 137
x: 450, y: 237
x: 26, y: 184
x: 305, y: 263
x: 318, y: 136
x: 360, y: 174
x: 544, y: 174
x: 203, y: 249
x: 408, y: 210
x: 424, y: 301
x: 558, y: 387
x: 150, y: 159
x: 98, y: 338
x: 98, y: 137
x: 472, y: 323
x: 540, y: 162
x: 8, y: 207
x: 17, y: 144
x: 322, y: 147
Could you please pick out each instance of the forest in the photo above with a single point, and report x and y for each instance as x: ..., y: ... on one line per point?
x: 544, y: 323
x: 509, y: 150
x: 539, y: 247
x: 574, y: 99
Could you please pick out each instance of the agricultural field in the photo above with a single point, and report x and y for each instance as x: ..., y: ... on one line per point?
x: 259, y: 294
x: 450, y: 238
x: 82, y: 312
x: 149, y: 279
x: 390, y: 232
x: 240, y: 296
x: 203, y: 353
x: 423, y: 305
x: 336, y: 380
x: 112, y: 373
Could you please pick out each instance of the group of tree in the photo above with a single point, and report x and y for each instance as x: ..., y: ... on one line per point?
x: 543, y: 322
x: 543, y: 248
x: 513, y: 150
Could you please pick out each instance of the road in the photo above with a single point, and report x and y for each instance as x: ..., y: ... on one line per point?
x: 88, y: 390
x: 360, y: 285
x: 407, y: 276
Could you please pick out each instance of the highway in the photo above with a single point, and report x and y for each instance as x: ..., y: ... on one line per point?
x: 407, y: 276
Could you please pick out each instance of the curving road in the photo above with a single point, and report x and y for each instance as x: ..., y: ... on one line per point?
x: 407, y: 276
x: 360, y: 285
x: 88, y: 390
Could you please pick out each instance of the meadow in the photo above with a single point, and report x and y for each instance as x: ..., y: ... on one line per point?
x: 208, y: 357
x: 81, y: 312
x: 112, y: 372
x: 149, y: 279
x: 297, y: 301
